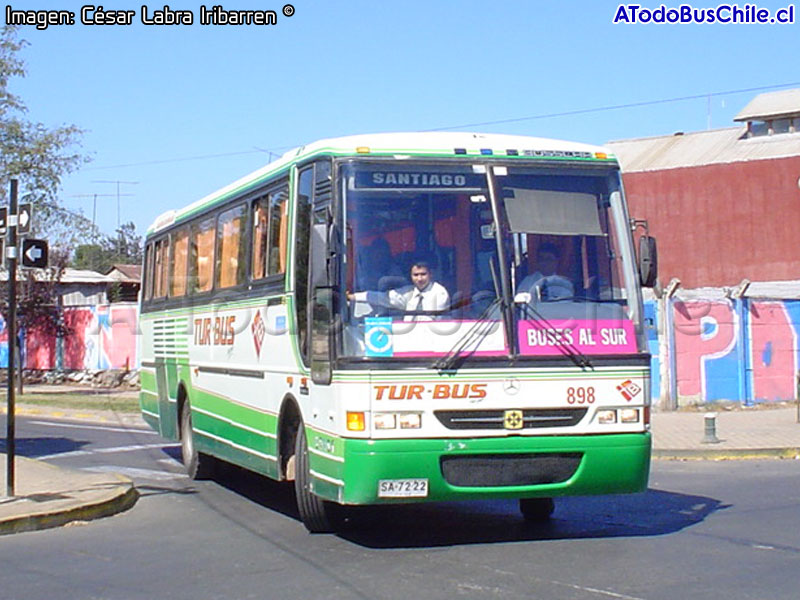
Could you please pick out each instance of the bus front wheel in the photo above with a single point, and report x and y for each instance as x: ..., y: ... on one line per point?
x: 198, y: 465
x: 536, y: 510
x: 314, y: 511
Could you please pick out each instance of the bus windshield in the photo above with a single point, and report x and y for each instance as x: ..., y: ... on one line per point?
x: 439, y: 258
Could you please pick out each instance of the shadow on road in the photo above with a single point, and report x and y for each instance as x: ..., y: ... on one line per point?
x: 35, y: 447
x: 651, y: 513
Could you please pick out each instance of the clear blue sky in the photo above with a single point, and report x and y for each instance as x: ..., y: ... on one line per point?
x: 185, y: 110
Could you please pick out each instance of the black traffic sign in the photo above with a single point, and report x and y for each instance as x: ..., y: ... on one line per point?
x: 24, y: 217
x: 34, y: 253
x: 3, y: 220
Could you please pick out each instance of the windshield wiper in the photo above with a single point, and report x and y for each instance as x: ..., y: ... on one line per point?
x: 456, y: 356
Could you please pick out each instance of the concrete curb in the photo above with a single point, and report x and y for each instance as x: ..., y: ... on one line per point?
x: 730, y: 454
x: 119, y: 496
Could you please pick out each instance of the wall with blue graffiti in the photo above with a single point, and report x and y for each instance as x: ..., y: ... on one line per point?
x: 720, y: 348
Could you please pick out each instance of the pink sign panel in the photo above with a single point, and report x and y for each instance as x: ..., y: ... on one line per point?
x: 554, y: 337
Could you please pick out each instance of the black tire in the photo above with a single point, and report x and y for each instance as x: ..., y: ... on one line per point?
x: 198, y: 465
x: 315, y: 512
x: 537, y: 510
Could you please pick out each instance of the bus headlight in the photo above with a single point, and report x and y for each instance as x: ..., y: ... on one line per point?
x: 410, y: 421
x: 384, y: 421
x: 629, y: 415
x: 390, y: 420
x: 606, y: 417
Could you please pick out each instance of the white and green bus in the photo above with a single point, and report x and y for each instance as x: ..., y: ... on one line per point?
x: 277, y: 331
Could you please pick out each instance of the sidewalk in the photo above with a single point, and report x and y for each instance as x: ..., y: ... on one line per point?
x: 742, y: 433
x: 49, y: 496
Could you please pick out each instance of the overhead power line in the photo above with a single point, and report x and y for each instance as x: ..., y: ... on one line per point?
x: 189, y: 158
x: 584, y: 111
x: 581, y: 111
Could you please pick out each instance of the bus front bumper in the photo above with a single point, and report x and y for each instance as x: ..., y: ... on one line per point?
x: 416, y: 470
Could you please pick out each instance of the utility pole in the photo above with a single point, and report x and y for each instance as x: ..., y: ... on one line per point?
x: 16, y: 220
x: 118, y: 182
x: 11, y: 261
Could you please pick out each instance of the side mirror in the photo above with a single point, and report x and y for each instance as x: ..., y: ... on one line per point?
x: 648, y: 261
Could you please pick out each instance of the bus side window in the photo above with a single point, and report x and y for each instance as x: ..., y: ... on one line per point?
x: 161, y: 259
x: 148, y: 272
x: 201, y: 257
x: 270, y: 233
x: 178, y: 264
x: 231, y: 247
x: 278, y: 230
x: 260, y: 231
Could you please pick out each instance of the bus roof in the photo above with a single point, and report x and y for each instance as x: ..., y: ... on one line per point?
x: 421, y: 144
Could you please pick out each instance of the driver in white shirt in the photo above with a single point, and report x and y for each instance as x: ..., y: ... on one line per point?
x: 424, y: 294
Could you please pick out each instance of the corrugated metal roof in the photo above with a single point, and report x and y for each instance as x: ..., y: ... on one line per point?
x: 126, y: 273
x: 771, y: 105
x: 702, y: 148
x: 757, y: 290
x: 69, y: 276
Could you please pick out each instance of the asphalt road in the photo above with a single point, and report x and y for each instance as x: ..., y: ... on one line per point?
x: 703, y: 530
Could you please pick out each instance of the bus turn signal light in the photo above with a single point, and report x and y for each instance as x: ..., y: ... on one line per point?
x: 356, y: 421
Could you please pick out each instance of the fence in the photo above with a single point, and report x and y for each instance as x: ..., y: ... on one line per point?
x: 709, y: 346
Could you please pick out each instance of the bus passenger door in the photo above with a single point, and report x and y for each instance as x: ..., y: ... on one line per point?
x: 166, y: 380
x: 321, y: 277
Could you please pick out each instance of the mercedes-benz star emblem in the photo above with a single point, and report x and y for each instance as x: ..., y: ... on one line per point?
x: 511, y: 386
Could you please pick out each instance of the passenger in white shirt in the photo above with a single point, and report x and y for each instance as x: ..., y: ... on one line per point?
x: 423, y: 295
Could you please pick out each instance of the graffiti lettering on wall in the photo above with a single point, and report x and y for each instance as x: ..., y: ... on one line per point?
x: 736, y: 350
x: 100, y: 337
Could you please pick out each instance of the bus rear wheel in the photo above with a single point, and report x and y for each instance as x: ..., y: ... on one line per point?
x: 537, y: 510
x: 314, y: 511
x: 198, y: 465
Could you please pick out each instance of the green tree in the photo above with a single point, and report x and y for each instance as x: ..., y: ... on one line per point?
x: 123, y: 248
x: 38, y: 156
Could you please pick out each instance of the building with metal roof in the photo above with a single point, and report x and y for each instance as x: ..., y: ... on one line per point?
x: 724, y: 204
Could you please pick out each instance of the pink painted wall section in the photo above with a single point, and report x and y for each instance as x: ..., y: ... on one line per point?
x: 102, y: 337
x: 78, y: 320
x: 705, y: 332
x: 740, y: 350
x: 40, y: 350
x: 773, y: 346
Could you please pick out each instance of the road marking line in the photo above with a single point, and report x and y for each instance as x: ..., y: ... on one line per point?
x: 96, y: 427
x: 592, y: 590
x: 113, y: 450
x: 134, y: 472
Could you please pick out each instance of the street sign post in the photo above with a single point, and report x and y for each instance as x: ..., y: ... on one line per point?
x: 11, y: 324
x: 24, y: 218
x: 16, y: 219
x: 34, y: 253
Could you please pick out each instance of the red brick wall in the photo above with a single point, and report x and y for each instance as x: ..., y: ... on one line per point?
x: 719, y: 224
